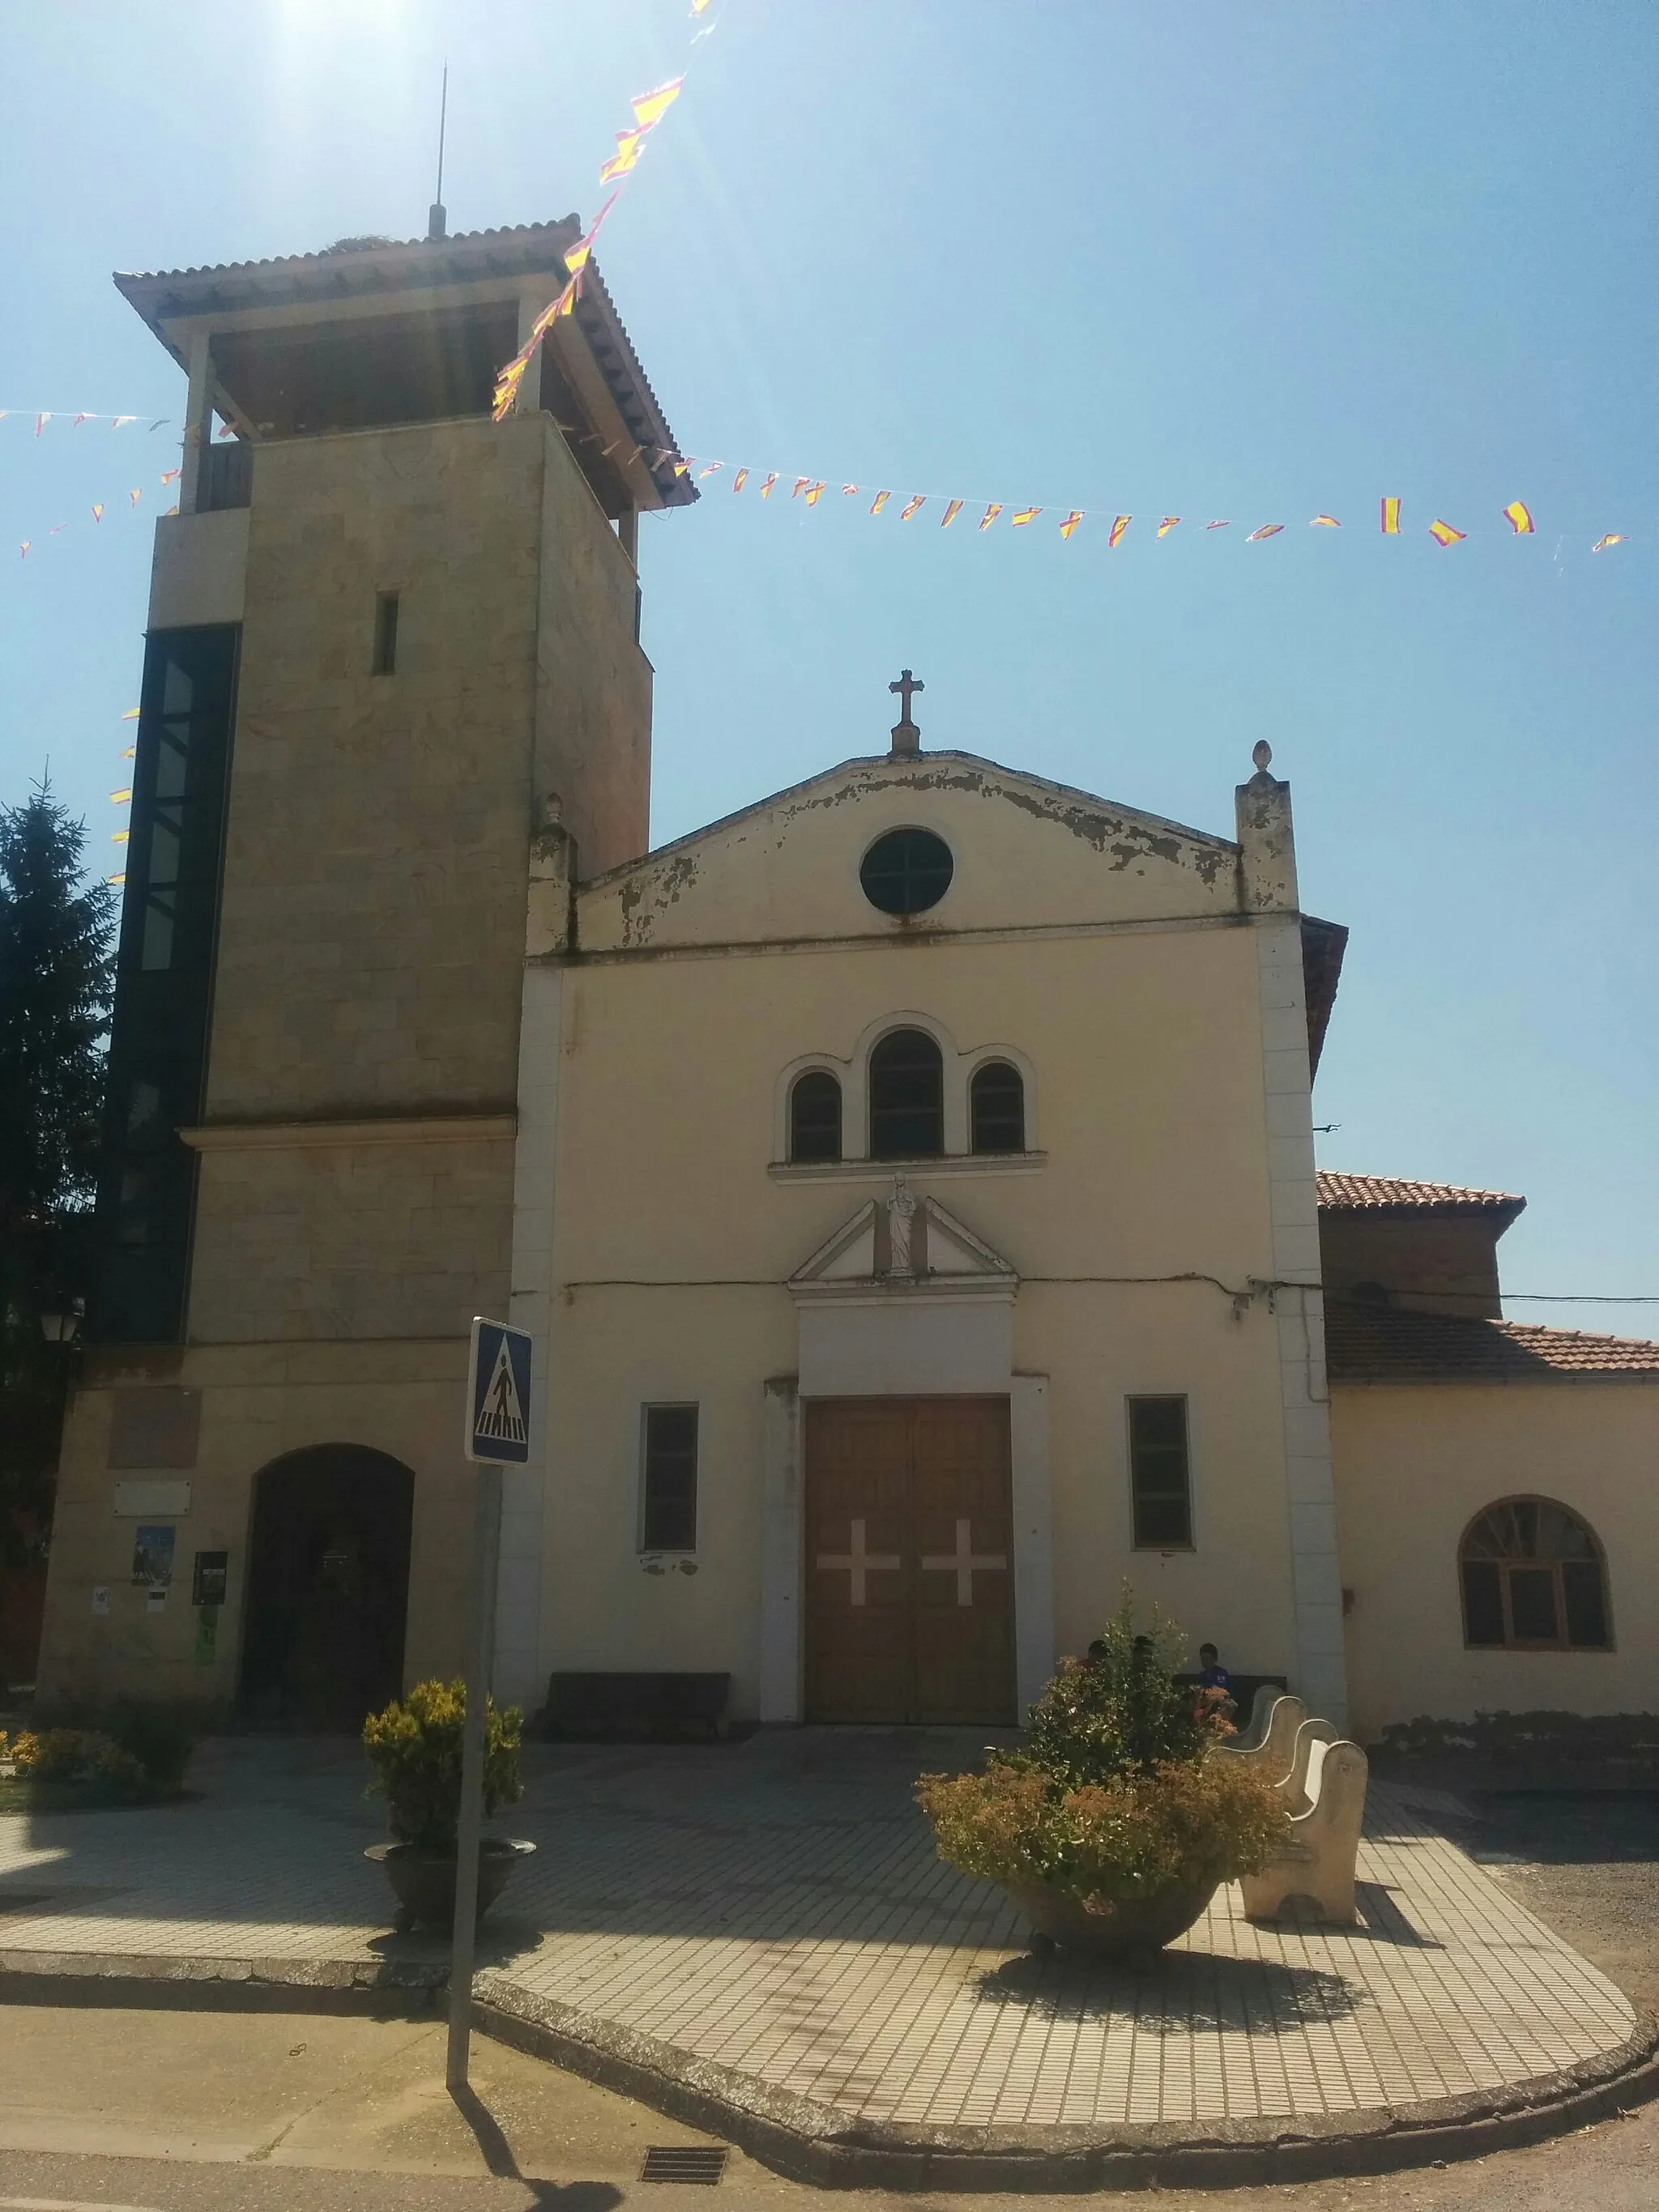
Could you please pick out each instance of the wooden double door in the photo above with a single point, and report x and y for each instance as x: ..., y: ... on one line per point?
x: 910, y: 1560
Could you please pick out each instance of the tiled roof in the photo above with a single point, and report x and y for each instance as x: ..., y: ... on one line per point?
x: 558, y: 234
x: 1348, y: 1194
x: 1382, y: 1344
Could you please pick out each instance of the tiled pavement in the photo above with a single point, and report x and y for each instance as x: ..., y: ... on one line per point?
x: 775, y: 1907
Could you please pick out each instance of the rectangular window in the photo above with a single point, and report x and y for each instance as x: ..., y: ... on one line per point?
x: 1159, y: 1482
x: 386, y: 634
x: 668, y: 1518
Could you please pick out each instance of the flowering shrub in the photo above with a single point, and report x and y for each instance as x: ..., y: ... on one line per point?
x: 76, y: 1755
x: 1114, y: 1796
x: 415, y: 1750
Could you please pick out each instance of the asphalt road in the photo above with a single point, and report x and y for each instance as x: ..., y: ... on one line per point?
x: 193, y: 2112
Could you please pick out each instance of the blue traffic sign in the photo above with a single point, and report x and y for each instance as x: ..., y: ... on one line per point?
x: 498, y: 1396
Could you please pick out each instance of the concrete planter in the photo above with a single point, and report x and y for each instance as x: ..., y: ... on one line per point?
x: 423, y: 1880
x: 1109, y: 1930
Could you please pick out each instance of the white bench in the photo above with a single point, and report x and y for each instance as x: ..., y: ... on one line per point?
x: 1270, y: 1741
x: 1326, y: 1794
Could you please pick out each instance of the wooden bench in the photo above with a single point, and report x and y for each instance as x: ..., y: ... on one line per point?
x: 1326, y: 1790
x: 636, y: 1704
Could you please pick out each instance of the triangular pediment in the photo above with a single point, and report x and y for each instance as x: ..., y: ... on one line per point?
x: 907, y: 1242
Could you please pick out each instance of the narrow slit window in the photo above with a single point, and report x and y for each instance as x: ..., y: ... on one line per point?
x: 668, y: 1517
x: 1160, y: 1477
x: 386, y: 634
x: 815, y: 1116
x: 996, y: 1100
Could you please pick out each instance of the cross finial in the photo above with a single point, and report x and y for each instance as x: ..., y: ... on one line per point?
x: 907, y: 738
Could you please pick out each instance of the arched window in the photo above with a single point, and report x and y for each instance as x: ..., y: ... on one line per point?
x: 1533, y: 1580
x: 907, y: 1097
x: 996, y: 1099
x: 815, y: 1116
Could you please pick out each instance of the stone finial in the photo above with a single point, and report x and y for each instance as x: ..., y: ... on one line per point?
x: 1267, y: 840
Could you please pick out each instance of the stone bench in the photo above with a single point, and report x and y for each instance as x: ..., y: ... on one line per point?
x: 1325, y: 1791
x: 1267, y: 1738
x: 579, y: 1704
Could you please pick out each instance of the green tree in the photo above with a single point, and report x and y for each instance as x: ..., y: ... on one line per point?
x: 57, y: 970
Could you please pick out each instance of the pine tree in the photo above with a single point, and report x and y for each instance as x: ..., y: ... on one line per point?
x: 57, y: 968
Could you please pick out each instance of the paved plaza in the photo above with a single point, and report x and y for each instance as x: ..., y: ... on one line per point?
x: 772, y: 1912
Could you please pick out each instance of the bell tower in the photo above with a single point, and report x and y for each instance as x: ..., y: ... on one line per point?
x: 383, y: 628
x: 386, y: 634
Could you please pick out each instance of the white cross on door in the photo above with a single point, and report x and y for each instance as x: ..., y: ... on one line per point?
x: 859, y: 1562
x: 962, y: 1561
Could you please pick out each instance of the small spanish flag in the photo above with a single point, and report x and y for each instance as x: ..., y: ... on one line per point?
x: 1520, y: 518
x: 990, y: 514
x: 134, y: 495
x: 1167, y: 524
x: 879, y: 501
x: 1217, y: 526
x: 1071, y: 522
x: 914, y: 506
x: 801, y: 482
x: 1391, y: 518
x: 1443, y: 534
x: 709, y: 468
x: 117, y: 837
x: 1267, y: 530
x: 1612, y: 537
x: 131, y: 715
x: 766, y: 488
x: 1119, y: 524
x: 627, y: 153
x: 1324, y: 522
x: 1023, y: 515
x: 953, y: 507
x: 816, y: 494
x: 116, y: 879
x: 849, y: 491
x: 650, y: 107
x: 740, y: 480
x: 172, y: 475
x: 120, y: 798
x: 682, y: 468
x: 128, y: 751
x: 97, y: 512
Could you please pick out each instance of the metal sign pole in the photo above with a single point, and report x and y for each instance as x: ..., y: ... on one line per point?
x: 480, y: 1653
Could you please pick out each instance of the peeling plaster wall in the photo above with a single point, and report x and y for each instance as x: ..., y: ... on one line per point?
x: 1027, y: 854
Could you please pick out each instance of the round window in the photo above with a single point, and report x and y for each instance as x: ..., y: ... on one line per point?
x: 907, y: 872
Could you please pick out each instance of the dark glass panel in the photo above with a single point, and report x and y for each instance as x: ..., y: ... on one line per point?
x: 669, y: 1522
x: 1159, y: 1476
x: 1483, y: 1602
x: 997, y: 1099
x: 163, y: 985
x: 815, y: 1117
x: 1586, y: 1603
x: 907, y: 872
x: 1532, y: 1604
x: 907, y: 1097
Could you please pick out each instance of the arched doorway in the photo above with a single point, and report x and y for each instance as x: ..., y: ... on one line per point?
x: 327, y: 1589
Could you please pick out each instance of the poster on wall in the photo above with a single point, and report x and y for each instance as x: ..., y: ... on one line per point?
x: 152, y: 1556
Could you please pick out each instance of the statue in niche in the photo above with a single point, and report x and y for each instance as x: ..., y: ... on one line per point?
x: 901, y: 1212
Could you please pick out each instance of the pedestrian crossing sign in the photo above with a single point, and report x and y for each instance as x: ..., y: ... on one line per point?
x: 498, y: 1395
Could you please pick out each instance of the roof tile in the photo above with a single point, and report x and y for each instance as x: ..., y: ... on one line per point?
x: 1346, y: 1193
x: 1384, y: 1344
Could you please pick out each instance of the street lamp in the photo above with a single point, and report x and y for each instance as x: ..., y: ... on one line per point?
x: 64, y: 1327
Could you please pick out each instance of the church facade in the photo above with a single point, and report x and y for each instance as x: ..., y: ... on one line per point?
x: 907, y: 1182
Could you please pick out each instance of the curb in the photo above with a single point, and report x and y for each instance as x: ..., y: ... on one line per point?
x: 812, y: 2142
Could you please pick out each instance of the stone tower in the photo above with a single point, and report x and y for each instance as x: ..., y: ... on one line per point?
x: 384, y: 632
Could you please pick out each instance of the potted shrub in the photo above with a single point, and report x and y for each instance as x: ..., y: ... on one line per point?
x: 414, y: 1751
x: 1113, y: 1827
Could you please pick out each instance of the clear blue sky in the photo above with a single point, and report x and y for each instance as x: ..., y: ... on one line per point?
x: 1203, y: 258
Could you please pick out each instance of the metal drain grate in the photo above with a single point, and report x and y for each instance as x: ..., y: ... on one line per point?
x: 700, y: 2162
